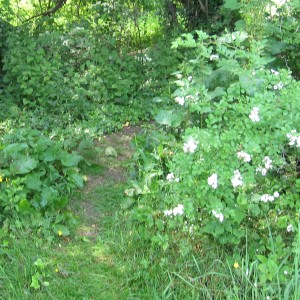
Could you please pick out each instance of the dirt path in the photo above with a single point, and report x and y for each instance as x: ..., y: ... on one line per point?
x: 93, y: 256
x: 107, y: 170
x: 114, y: 165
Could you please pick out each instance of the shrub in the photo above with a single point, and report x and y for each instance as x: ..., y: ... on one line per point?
x: 275, y: 22
x: 70, y: 73
x: 232, y: 176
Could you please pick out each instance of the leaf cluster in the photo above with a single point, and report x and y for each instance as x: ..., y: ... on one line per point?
x: 37, y: 175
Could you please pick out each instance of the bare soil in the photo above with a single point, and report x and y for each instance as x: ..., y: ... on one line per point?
x: 114, y: 173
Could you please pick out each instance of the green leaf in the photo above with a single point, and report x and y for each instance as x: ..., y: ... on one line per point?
x: 232, y: 4
x: 29, y: 91
x: 214, y: 228
x: 255, y: 198
x: 60, y: 202
x: 159, y: 99
x: 254, y: 209
x: 240, y: 36
x: 70, y: 160
x: 23, y: 165
x: 240, y: 25
x: 48, y: 196
x: 175, y: 44
x: 77, y: 179
x: 51, y: 154
x: 24, y: 206
x: 273, y: 268
x: 250, y: 85
x: 169, y: 117
x: 61, y: 230
x: 275, y: 47
x: 14, y: 149
x: 39, y: 263
x: 127, y: 203
x: 218, y: 92
x: 239, y: 216
x: 33, y: 181
x: 282, y: 221
x: 35, y: 281
x: 262, y: 258
x: 242, y: 199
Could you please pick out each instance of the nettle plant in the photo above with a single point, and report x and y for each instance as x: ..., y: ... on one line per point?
x: 233, y: 176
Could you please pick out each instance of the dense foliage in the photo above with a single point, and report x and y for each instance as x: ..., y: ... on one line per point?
x: 218, y: 172
x: 233, y: 168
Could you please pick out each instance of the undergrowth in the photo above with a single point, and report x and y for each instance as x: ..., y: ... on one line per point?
x: 208, y: 205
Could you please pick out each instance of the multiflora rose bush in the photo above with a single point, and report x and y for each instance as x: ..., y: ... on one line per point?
x: 236, y: 163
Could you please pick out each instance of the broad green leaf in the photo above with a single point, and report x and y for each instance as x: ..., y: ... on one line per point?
x: 240, y: 25
x: 70, y: 160
x: 159, y: 99
x: 23, y: 165
x: 33, y: 181
x: 214, y: 228
x: 51, y: 154
x: 240, y: 36
x: 179, y: 82
x: 40, y: 264
x: 254, y: 209
x: 14, y: 149
x: 232, y: 4
x: 247, y: 84
x: 175, y: 44
x: 29, y: 91
x: 255, y: 198
x: 275, y: 47
x: 282, y: 221
x: 262, y: 258
x: 202, y: 35
x: 29, y: 59
x: 42, y: 144
x: 169, y: 117
x: 188, y: 41
x: 239, y: 216
x: 49, y: 195
x: 77, y: 179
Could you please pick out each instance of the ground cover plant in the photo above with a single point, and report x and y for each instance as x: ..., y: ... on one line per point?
x: 204, y: 204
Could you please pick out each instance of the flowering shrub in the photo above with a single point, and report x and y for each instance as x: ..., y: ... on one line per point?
x: 276, y: 21
x: 237, y: 158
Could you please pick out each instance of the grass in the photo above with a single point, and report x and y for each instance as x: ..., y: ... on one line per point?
x: 87, y: 265
x: 105, y: 259
x: 83, y: 267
